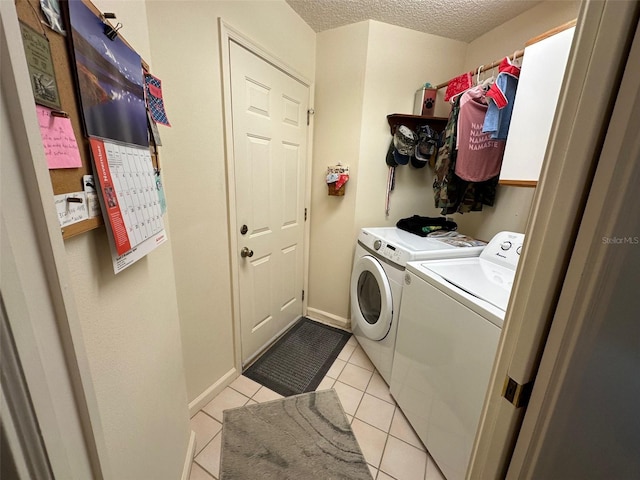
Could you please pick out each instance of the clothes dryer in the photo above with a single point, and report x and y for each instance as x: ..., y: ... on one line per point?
x: 450, y: 324
x: 376, y: 283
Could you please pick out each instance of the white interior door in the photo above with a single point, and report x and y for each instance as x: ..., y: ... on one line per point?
x: 269, y: 111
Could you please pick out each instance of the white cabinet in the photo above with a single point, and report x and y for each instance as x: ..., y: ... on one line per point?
x: 543, y: 67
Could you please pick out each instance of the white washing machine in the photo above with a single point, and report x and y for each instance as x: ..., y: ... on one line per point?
x: 376, y: 283
x: 450, y: 323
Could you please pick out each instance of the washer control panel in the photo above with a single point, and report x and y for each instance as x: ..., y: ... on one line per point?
x: 505, y: 249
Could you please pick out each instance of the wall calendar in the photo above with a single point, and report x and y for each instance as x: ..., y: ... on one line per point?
x: 128, y: 194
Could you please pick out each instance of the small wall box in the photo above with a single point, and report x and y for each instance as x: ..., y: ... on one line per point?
x: 337, y: 175
x: 425, y: 102
x: 336, y: 192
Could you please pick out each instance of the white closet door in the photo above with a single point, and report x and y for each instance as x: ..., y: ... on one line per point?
x: 543, y: 67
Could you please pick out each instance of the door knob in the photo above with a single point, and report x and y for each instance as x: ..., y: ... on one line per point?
x: 245, y: 252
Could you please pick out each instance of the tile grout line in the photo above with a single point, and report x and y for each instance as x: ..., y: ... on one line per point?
x: 354, y: 417
x: 388, y: 432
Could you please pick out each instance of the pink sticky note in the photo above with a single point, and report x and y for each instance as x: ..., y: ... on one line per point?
x: 59, y: 141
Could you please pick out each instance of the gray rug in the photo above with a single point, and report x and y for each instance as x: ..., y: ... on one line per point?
x: 305, y: 436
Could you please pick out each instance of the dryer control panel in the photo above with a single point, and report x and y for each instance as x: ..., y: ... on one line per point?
x: 383, y: 249
x: 504, y: 249
x: 399, y: 247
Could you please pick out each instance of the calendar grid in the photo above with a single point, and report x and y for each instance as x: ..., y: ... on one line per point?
x: 129, y: 191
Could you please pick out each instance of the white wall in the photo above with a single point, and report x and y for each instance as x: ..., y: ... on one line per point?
x: 127, y: 347
x: 398, y: 63
x: 341, y: 59
x: 168, y: 317
x: 512, y: 35
x: 512, y: 205
x: 186, y: 51
x: 130, y: 324
x: 365, y: 72
x: 30, y: 302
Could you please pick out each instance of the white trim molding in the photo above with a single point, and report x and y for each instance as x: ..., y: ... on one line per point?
x: 210, y: 393
x: 329, y: 318
x: 188, y: 459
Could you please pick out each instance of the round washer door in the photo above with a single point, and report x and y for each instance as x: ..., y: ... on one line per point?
x: 372, y: 306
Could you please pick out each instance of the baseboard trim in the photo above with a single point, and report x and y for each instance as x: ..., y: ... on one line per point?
x: 328, y: 318
x: 188, y: 460
x: 209, y: 394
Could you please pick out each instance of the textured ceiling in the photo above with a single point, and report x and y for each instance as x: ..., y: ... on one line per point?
x: 463, y: 20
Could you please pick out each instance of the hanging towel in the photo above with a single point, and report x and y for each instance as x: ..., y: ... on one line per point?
x: 457, y: 85
x: 501, y: 98
x: 497, y: 92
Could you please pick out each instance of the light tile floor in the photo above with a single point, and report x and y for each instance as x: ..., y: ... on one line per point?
x: 389, y: 444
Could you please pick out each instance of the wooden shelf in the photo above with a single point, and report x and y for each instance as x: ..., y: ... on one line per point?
x: 519, y: 183
x: 414, y: 121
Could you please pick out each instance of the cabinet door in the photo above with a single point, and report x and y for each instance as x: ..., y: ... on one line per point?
x: 543, y: 67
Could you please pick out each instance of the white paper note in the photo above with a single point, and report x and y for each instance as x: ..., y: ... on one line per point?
x: 70, y: 212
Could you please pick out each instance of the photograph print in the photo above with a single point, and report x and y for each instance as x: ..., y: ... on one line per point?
x: 110, y: 79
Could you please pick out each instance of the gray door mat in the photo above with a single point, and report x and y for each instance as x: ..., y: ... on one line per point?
x: 300, y: 359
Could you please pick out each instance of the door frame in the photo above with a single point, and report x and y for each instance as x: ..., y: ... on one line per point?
x: 40, y: 307
x: 228, y: 34
x: 590, y: 278
x: 577, y: 135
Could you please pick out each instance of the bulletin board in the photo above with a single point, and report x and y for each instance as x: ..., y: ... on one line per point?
x: 68, y: 180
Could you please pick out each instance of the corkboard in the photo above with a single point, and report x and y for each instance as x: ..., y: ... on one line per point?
x: 67, y: 180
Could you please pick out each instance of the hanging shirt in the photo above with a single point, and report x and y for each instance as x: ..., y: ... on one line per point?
x: 445, y: 182
x: 457, y: 85
x: 452, y: 194
x: 479, y: 156
x: 501, y: 98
